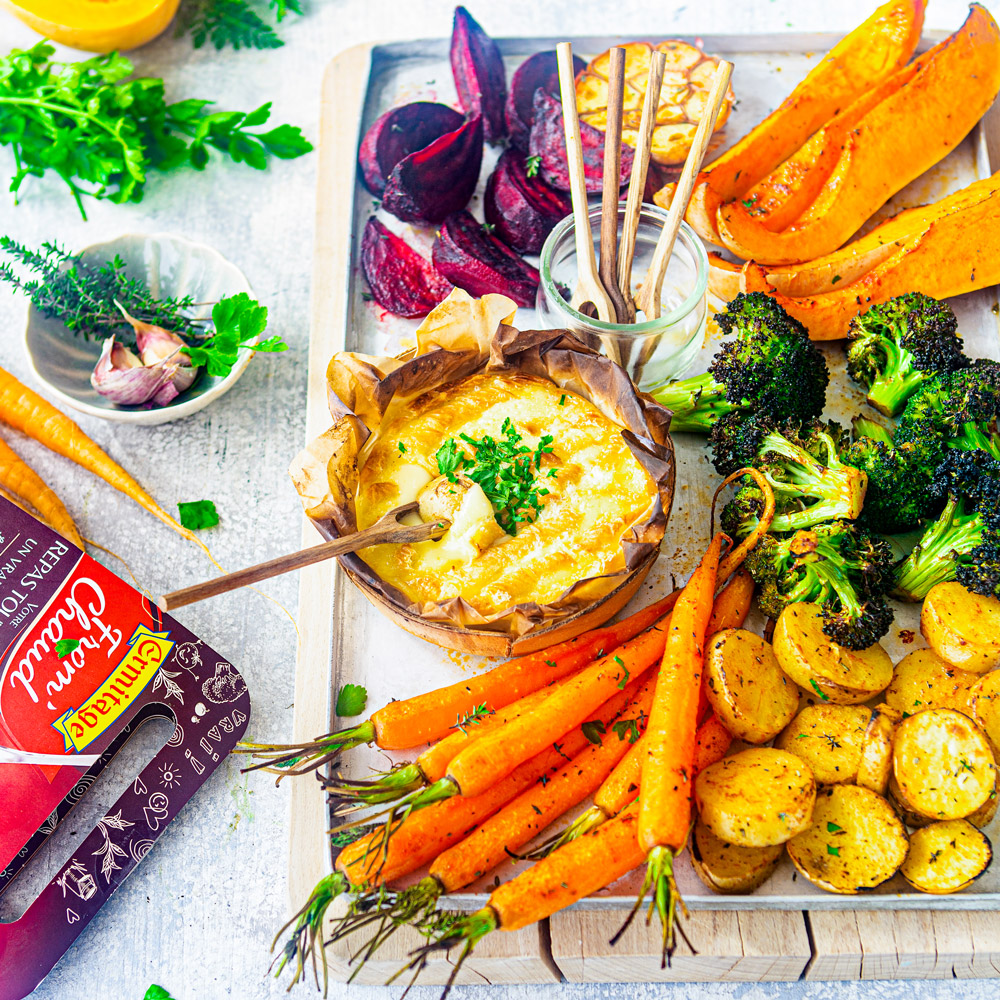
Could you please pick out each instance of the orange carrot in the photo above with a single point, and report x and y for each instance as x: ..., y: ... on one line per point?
x: 486, y: 761
x: 18, y: 477
x: 713, y: 743
x: 403, y: 724
x: 665, y: 813
x: 426, y: 717
x: 517, y: 823
x: 23, y: 409
x: 425, y: 833
x: 577, y: 869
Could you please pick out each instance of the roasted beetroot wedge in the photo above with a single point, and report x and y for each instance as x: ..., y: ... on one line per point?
x: 398, y: 133
x: 478, y: 262
x: 480, y: 78
x: 428, y: 185
x: 539, y: 70
x: 402, y: 282
x: 522, y: 209
x: 548, y: 142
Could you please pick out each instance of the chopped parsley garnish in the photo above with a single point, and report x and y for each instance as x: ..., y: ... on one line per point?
x: 833, y: 828
x: 351, y: 700
x: 401, y: 447
x: 593, y: 731
x: 198, y: 514
x: 835, y: 851
x: 505, y: 469
x: 66, y: 646
x: 624, y: 680
x: 823, y: 695
x: 531, y: 165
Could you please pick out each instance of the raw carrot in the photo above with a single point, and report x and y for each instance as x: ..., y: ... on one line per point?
x: 23, y: 409
x: 18, y: 477
x: 426, y: 717
x: 488, y: 759
x: 665, y: 813
x: 387, y: 858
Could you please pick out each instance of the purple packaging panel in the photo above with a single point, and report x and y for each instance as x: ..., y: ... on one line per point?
x: 85, y: 659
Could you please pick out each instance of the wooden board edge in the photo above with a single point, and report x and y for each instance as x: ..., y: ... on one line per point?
x: 343, y: 92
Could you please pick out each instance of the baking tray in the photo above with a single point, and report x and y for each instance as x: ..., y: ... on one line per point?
x: 344, y: 639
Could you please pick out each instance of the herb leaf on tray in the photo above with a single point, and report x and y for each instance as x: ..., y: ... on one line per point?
x: 195, y: 514
x: 102, y: 132
x: 351, y: 700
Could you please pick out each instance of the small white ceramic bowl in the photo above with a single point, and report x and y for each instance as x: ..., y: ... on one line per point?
x: 172, y: 267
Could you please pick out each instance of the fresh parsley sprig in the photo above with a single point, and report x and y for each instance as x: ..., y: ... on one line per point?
x: 238, y: 321
x: 507, y: 470
x: 102, y: 132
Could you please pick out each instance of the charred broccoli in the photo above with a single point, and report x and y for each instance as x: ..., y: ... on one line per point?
x: 899, y: 494
x: 956, y: 411
x: 771, y: 366
x: 837, y: 565
x: 800, y: 461
x: 964, y: 542
x: 896, y: 346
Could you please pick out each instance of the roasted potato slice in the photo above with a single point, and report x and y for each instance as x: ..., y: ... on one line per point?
x: 875, y: 765
x: 942, y: 764
x: 757, y: 798
x: 983, y: 704
x: 855, y: 842
x: 961, y: 627
x: 829, y: 739
x: 727, y: 867
x: 820, y: 666
x: 747, y: 689
x: 946, y: 857
x: 922, y: 680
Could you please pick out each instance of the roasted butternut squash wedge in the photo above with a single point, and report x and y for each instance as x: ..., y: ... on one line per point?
x: 922, y: 113
x: 96, y: 25
x: 958, y: 253
x: 868, y: 55
x: 946, y: 857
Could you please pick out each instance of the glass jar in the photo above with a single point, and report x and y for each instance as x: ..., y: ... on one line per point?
x: 654, y: 351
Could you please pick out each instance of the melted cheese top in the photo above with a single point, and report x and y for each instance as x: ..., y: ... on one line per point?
x: 599, y: 491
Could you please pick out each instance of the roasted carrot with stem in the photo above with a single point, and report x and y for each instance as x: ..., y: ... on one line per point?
x: 423, y: 835
x: 26, y: 411
x: 22, y: 481
x: 414, y: 721
x: 668, y: 764
x: 506, y: 832
x: 564, y: 877
x: 432, y: 764
x: 622, y: 784
x: 565, y: 745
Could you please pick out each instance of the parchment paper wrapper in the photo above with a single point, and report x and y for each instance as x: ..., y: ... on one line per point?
x: 460, y: 337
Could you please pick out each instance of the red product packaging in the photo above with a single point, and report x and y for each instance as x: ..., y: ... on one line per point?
x: 85, y: 659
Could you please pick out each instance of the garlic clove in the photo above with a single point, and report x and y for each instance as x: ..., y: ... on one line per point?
x: 122, y: 377
x: 155, y: 343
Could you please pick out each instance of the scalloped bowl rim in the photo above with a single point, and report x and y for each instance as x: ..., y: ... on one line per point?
x: 159, y: 414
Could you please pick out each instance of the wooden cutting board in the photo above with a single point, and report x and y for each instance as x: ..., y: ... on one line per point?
x: 726, y: 945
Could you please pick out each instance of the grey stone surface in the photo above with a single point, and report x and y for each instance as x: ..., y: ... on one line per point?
x: 199, y: 913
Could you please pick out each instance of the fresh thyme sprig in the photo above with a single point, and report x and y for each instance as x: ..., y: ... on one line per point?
x: 84, y: 296
x: 472, y: 718
x: 507, y: 470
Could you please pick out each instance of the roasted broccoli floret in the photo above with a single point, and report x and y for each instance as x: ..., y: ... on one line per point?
x: 771, y: 366
x: 800, y: 461
x: 896, y: 346
x: 837, y: 565
x: 899, y: 494
x: 956, y: 411
x: 963, y: 543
